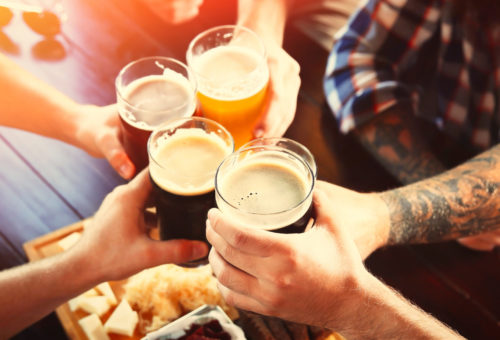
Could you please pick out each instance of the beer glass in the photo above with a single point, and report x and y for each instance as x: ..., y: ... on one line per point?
x: 291, y: 146
x: 230, y: 66
x: 183, y: 157
x: 267, y: 186
x: 151, y: 91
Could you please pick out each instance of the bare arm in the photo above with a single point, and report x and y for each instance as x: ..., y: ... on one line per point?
x: 33, y: 105
x: 460, y: 202
x: 113, y: 246
x: 396, y: 142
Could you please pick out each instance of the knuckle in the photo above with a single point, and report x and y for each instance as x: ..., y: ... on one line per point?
x: 239, y: 239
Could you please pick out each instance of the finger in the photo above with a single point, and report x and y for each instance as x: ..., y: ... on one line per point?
x: 247, y: 240
x: 232, y: 277
x: 477, y: 244
x: 140, y: 188
x: 173, y: 251
x: 249, y: 264
x: 117, y: 157
x: 122, y: 164
x: 240, y: 300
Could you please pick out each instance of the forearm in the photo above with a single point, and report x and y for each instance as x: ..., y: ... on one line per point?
x: 32, y: 105
x: 396, y: 142
x: 267, y: 18
x: 31, y: 291
x: 387, y: 315
x: 460, y: 202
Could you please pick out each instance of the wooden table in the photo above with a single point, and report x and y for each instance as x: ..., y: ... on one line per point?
x: 45, y: 184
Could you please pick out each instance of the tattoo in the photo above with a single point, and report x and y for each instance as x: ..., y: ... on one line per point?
x: 459, y: 202
x: 397, y: 144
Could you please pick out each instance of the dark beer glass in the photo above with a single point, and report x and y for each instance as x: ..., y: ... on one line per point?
x: 183, y: 157
x: 267, y: 185
x: 151, y: 91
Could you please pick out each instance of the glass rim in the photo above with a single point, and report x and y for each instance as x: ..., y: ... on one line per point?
x: 191, y: 78
x: 170, y: 123
x: 236, y: 154
x: 233, y: 28
x: 287, y: 140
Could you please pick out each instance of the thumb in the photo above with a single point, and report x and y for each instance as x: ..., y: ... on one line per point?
x: 140, y: 187
x: 324, y: 216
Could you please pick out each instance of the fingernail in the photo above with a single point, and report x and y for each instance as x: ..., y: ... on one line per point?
x: 125, y: 170
x: 259, y: 133
x: 200, y: 250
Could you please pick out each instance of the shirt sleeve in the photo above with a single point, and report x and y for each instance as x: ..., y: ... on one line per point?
x: 382, y: 37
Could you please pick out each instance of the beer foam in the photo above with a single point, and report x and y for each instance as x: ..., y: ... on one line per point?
x: 153, y: 99
x: 265, y: 192
x: 230, y: 72
x: 185, y: 162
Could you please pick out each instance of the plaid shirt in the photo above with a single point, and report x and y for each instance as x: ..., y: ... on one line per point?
x: 419, y: 55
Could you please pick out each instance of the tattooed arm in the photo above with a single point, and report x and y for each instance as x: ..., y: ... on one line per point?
x: 460, y: 202
x: 395, y: 141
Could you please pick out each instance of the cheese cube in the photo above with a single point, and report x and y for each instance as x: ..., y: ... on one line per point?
x: 94, y: 304
x: 69, y: 240
x: 74, y: 303
x: 123, y: 320
x: 92, y: 326
x: 105, y: 289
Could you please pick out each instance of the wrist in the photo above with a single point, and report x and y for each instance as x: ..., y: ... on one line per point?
x: 381, y: 219
x: 267, y: 18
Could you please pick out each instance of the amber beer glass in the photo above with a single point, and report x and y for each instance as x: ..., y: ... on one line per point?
x: 183, y: 157
x: 267, y: 185
x: 151, y: 91
x: 230, y: 66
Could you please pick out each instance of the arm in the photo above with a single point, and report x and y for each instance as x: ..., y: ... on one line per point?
x: 267, y: 18
x: 460, y: 202
x: 364, y: 87
x: 396, y: 142
x: 32, y: 105
x: 316, y: 278
x: 113, y: 246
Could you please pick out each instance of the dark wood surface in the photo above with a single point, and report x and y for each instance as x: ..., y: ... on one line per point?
x: 45, y: 184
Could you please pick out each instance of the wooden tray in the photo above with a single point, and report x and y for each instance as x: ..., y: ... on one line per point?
x: 45, y: 246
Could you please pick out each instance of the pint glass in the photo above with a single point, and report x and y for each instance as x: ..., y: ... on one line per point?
x: 183, y: 157
x: 230, y: 66
x: 149, y: 92
x: 266, y: 186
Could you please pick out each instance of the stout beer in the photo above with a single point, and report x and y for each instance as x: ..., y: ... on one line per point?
x: 184, y: 156
x: 266, y: 187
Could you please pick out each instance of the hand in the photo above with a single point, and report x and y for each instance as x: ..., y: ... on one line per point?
x: 99, y: 135
x: 364, y: 216
x: 174, y: 11
x: 305, y: 278
x: 115, y: 244
x: 284, y: 84
x: 485, y: 242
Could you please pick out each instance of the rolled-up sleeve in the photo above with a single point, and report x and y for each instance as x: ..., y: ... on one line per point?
x: 363, y: 73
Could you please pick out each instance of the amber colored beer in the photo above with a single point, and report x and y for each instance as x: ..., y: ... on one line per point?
x: 268, y: 189
x: 232, y: 83
x: 146, y: 100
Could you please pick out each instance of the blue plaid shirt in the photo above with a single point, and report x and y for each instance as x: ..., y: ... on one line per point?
x: 421, y: 55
